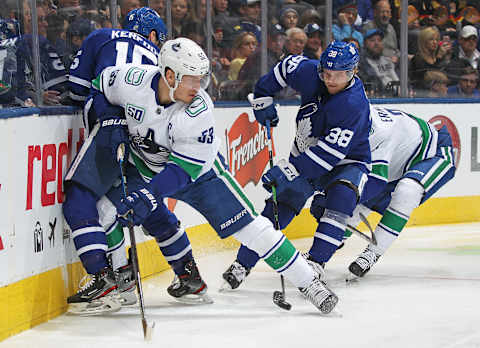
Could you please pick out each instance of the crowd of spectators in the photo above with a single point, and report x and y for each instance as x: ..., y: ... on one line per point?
x: 443, y: 42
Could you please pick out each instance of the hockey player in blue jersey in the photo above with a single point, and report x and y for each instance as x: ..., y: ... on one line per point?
x: 95, y: 169
x: 331, y: 150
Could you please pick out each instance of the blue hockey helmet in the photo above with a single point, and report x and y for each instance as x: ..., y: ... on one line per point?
x: 339, y: 55
x: 143, y: 20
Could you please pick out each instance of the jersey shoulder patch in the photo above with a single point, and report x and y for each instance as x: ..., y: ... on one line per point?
x: 196, y: 107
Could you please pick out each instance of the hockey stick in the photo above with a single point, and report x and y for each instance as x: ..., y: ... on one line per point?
x: 362, y: 235
x: 278, y: 296
x: 147, y: 329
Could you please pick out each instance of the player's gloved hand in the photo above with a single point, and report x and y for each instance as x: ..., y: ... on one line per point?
x: 136, y: 207
x: 280, y: 176
x: 264, y: 110
x: 113, y: 132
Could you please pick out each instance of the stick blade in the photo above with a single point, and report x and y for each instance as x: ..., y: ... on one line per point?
x: 279, y: 300
x: 147, y: 330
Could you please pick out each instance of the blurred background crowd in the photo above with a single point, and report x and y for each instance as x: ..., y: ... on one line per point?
x: 443, y: 42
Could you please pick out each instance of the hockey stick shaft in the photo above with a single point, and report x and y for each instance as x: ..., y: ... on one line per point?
x: 361, y: 234
x: 147, y: 330
x: 274, y: 194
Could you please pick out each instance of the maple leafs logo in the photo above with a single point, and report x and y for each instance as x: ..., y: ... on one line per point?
x: 303, y: 138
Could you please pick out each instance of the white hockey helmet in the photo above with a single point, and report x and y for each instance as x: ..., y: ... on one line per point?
x: 184, y: 57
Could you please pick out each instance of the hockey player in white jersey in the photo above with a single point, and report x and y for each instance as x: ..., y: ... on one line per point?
x: 174, y: 149
x: 411, y: 161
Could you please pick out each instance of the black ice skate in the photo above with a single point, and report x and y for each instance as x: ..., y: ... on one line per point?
x: 234, y: 276
x: 126, y: 285
x: 363, y: 263
x: 318, y: 267
x: 320, y: 296
x: 189, y: 287
x: 98, y: 296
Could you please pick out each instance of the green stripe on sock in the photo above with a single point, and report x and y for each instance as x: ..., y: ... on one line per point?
x: 282, y: 255
x: 393, y: 221
x: 115, y: 237
x: 347, y: 234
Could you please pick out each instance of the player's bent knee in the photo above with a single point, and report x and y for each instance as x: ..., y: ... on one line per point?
x: 259, y: 235
x: 80, y: 207
x: 342, y: 197
x: 407, y: 195
x: 106, y: 211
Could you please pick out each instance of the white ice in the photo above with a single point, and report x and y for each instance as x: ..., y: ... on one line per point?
x: 424, y: 292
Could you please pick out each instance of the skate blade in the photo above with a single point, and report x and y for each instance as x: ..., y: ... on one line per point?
x: 225, y: 287
x: 195, y: 299
x: 127, y: 298
x: 105, y: 305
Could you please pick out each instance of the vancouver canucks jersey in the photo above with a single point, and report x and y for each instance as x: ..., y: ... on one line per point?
x: 180, y: 133
x: 104, y: 48
x: 331, y: 129
x: 398, y: 141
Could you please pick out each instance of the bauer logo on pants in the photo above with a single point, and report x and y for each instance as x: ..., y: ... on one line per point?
x: 247, y: 150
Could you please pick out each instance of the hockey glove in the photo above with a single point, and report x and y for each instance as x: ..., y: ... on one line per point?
x: 291, y: 188
x: 136, y: 207
x: 113, y: 132
x: 264, y: 110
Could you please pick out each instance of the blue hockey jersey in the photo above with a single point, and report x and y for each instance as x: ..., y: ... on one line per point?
x: 104, y: 48
x: 332, y: 130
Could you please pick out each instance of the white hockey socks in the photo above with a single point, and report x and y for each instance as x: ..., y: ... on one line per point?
x: 405, y: 199
x: 276, y: 250
x: 114, y: 231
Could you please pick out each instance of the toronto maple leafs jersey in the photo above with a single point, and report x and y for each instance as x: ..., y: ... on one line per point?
x: 398, y: 141
x: 104, y: 48
x: 179, y: 133
x: 331, y: 129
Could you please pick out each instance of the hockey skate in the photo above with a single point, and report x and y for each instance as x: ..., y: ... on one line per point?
x: 363, y: 263
x: 126, y: 285
x: 97, y: 296
x: 320, y: 295
x: 189, y: 287
x: 318, y: 267
x: 234, y: 276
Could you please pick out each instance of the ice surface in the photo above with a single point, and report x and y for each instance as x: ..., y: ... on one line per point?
x: 424, y: 292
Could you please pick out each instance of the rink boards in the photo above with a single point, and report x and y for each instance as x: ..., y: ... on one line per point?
x: 40, y: 267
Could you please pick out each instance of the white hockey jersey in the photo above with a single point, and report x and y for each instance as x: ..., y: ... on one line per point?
x: 179, y: 133
x: 398, y: 141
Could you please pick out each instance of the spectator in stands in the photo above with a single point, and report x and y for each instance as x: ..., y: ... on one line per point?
x: 365, y: 10
x: 288, y: 18
x: 467, y: 46
x: 382, y: 15
x: 467, y: 85
x: 126, y: 6
x: 430, y: 56
x: 295, y: 41
x: 76, y: 33
x: 180, y: 16
x: 435, y: 84
x: 251, y: 69
x: 313, y: 48
x: 310, y: 16
x: 249, y: 11
x: 244, y: 45
x: 53, y: 73
x: 375, y: 69
x: 346, y: 15
x: 159, y: 6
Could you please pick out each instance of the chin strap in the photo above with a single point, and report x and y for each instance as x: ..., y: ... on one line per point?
x: 171, y: 90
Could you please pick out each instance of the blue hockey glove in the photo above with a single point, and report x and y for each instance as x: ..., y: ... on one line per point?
x: 292, y: 189
x: 264, y: 110
x: 113, y: 132
x: 136, y: 207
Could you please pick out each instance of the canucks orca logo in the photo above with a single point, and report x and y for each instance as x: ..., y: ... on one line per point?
x: 176, y: 46
x: 135, y: 76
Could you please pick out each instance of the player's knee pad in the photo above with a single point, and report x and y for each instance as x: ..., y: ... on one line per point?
x: 342, y: 197
x: 161, y: 223
x: 407, y: 196
x: 259, y: 235
x: 285, y: 213
x: 80, y: 207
